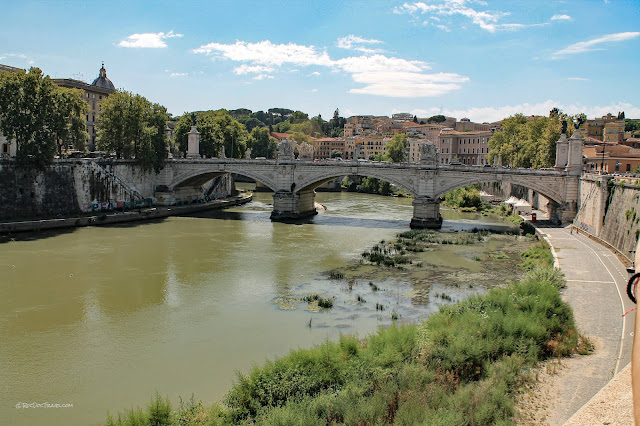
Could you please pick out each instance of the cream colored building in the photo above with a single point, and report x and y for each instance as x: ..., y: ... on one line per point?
x: 94, y: 94
x: 613, y: 132
x: 465, y: 147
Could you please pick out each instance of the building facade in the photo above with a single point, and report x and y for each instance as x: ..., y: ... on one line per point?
x: 94, y: 94
x: 469, y: 148
x: 611, y: 158
x: 324, y: 147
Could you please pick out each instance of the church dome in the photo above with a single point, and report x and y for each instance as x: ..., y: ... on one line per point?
x: 102, y: 80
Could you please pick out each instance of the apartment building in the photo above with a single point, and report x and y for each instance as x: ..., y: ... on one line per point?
x: 596, y: 128
x: 611, y: 158
x: 613, y: 132
x: 466, y: 147
x: 366, y: 146
x: 324, y: 147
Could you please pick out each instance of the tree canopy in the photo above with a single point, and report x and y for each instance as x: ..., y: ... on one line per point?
x: 41, y: 117
x: 262, y: 144
x: 217, y: 129
x: 436, y: 119
x: 529, y: 142
x: 132, y: 127
x: 397, y: 148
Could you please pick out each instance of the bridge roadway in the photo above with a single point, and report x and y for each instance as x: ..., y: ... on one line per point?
x: 293, y: 182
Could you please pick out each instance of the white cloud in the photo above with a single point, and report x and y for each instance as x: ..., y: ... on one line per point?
x: 315, y: 73
x: 178, y: 74
x: 262, y: 77
x: 256, y: 69
x: 437, y: 9
x: 561, y: 18
x: 13, y: 55
x: 578, y: 79
x: 314, y: 90
x: 379, y: 74
x: 148, y: 40
x: 490, y: 114
x: 267, y: 53
x: 356, y: 43
x: 400, y: 84
x: 590, y: 45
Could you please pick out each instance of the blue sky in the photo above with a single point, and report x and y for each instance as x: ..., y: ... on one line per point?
x: 468, y: 58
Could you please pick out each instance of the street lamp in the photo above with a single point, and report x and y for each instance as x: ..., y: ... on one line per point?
x: 602, y: 162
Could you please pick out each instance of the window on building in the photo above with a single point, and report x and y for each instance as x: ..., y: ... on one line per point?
x: 628, y: 167
x: 100, y: 97
x: 94, y: 96
x: 5, y: 148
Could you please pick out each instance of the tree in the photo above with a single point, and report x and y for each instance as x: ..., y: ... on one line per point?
x: 415, y: 119
x: 132, y: 127
x: 250, y: 123
x: 300, y: 137
x: 298, y: 117
x: 68, y: 121
x: 262, y: 143
x: 631, y: 125
x: 217, y: 129
x: 527, y: 142
x: 621, y: 115
x: 397, y: 148
x: 40, y: 116
x: 336, y: 154
x: 436, y: 119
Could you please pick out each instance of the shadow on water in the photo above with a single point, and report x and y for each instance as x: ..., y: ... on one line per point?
x: 34, y: 235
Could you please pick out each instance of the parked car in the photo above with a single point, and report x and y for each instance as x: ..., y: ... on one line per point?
x: 455, y: 163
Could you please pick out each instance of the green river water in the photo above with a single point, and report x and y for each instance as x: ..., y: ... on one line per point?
x: 104, y: 317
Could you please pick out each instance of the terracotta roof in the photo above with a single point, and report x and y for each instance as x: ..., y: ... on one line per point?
x: 281, y: 136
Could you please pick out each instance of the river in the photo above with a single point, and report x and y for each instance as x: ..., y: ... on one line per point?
x: 104, y: 317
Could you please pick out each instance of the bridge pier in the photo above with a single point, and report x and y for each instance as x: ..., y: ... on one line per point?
x: 426, y: 213
x: 293, y: 205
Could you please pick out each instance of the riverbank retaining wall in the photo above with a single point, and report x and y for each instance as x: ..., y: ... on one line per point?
x: 610, y: 211
x: 71, y: 187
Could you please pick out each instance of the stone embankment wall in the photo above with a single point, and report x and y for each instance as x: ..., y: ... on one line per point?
x: 71, y: 187
x: 610, y: 210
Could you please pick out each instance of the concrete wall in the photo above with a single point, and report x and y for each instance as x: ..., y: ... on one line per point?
x: 610, y: 210
x: 77, y: 186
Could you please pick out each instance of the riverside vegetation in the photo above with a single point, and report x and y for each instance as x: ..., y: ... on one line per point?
x: 463, y: 365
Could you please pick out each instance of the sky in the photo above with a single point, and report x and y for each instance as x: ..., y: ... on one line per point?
x: 484, y: 60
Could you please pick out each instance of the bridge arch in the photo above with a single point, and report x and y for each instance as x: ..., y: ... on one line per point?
x: 552, y: 193
x: 199, y: 177
x: 312, y: 182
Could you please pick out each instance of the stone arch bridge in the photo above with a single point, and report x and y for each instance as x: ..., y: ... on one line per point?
x: 294, y: 182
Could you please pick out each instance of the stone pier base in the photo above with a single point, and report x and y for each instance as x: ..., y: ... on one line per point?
x: 426, y: 214
x: 293, y: 205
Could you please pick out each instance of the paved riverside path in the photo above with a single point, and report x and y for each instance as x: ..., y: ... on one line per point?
x: 596, y: 290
